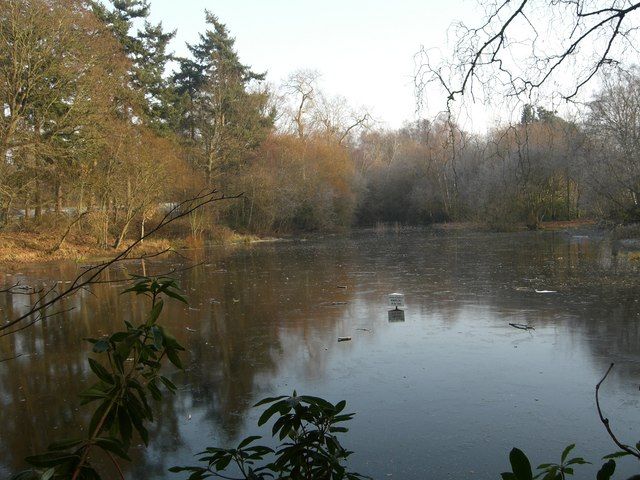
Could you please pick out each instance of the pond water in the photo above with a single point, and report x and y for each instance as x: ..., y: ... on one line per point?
x: 445, y: 393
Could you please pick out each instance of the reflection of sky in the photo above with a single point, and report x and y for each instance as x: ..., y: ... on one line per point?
x: 445, y: 393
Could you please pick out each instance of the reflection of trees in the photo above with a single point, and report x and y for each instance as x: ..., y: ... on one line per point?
x: 230, y: 345
x: 255, y: 313
x: 597, y: 300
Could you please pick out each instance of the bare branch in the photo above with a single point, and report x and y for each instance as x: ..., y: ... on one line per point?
x: 91, y: 274
x: 605, y: 421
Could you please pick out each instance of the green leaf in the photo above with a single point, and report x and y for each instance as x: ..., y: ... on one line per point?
x: 223, y: 463
x: 50, y: 459
x: 158, y: 338
x: 508, y: 476
x: 155, y: 392
x: 606, y: 471
x: 155, y: 312
x: 65, y: 444
x: 48, y: 475
x: 338, y: 429
x: 553, y: 474
x: 247, y: 441
x: 125, y: 426
x: 101, y: 346
x: 174, y: 358
x: 169, y: 384
x: 26, y: 475
x: 112, y: 445
x: 118, y: 336
x: 93, y: 393
x: 616, y: 455
x: 520, y: 465
x: 316, y: 401
x: 340, y: 406
x: 566, y: 451
x: 578, y: 461
x: 142, y: 431
x: 175, y: 295
x: 98, y: 414
x: 268, y: 413
x: 100, y: 371
x: 269, y: 400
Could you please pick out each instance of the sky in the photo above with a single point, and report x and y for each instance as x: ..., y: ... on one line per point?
x: 364, y: 49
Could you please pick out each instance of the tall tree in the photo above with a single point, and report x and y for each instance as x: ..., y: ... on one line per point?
x: 147, y: 48
x: 58, y: 72
x: 226, y: 117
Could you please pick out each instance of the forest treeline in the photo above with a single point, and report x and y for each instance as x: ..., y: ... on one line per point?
x: 102, y: 125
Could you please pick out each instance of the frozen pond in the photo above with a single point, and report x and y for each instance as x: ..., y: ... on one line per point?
x: 445, y: 393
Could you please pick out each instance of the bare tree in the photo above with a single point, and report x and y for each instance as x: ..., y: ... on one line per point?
x: 614, y: 129
x: 520, y: 46
x: 302, y: 87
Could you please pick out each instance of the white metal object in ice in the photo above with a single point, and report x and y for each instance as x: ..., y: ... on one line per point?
x: 396, y: 300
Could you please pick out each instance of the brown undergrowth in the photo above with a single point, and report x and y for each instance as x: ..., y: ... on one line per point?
x: 28, y: 247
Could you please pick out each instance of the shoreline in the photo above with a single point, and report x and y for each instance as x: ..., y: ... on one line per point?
x: 20, y: 248
x: 27, y: 248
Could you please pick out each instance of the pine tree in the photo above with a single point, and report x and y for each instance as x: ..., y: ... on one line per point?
x: 223, y: 117
x: 148, y: 51
x: 150, y: 65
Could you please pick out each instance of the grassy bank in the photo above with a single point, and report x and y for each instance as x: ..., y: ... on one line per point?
x: 28, y: 247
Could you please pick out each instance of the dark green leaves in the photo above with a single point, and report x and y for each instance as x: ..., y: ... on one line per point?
x: 566, y: 451
x: 521, y: 467
x: 100, y: 346
x: 606, y: 471
x: 51, y: 459
x: 101, y: 372
x: 113, y: 445
x: 156, y: 286
x: 309, y: 425
x: 616, y: 455
x: 127, y: 371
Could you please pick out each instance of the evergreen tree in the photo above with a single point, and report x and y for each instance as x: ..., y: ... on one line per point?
x: 150, y: 64
x: 147, y: 49
x: 223, y: 117
x: 120, y: 20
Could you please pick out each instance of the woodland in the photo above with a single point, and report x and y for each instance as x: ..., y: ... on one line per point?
x: 104, y: 129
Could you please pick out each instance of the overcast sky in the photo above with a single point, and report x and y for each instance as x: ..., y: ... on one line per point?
x: 364, y: 49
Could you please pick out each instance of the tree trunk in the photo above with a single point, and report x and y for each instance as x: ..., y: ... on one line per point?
x: 59, y: 198
x: 123, y: 233
x: 38, y: 200
x: 144, y: 218
x: 26, y: 209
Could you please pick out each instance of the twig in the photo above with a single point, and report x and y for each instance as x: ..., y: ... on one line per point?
x: 522, y: 326
x: 115, y: 463
x: 11, y: 358
x: 605, y: 421
x: 67, y: 231
x: 91, y: 274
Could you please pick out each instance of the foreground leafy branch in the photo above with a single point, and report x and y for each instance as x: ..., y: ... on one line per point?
x: 521, y: 466
x: 306, y: 428
x: 39, y: 311
x: 128, y: 373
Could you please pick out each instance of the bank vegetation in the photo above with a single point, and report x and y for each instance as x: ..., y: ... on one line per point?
x: 103, y: 130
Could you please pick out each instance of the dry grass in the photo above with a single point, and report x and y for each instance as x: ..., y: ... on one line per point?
x: 33, y: 247
x: 28, y: 247
x: 568, y: 224
x: 634, y: 257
